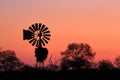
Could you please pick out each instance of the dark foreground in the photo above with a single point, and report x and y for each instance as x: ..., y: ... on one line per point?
x: 61, y: 75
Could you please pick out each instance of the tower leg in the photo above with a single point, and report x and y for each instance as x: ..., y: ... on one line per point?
x: 43, y: 64
x: 37, y: 64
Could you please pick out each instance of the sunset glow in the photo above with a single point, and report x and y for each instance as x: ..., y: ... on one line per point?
x: 82, y: 21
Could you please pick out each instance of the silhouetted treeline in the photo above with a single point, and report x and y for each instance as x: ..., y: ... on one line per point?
x: 76, y: 59
x: 9, y: 62
x: 81, y: 56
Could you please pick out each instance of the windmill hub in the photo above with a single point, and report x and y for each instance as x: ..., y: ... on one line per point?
x: 40, y: 34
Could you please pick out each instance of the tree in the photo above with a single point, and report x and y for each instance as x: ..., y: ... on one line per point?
x: 41, y: 55
x: 105, y: 65
x: 9, y: 61
x: 117, y: 62
x: 77, y: 56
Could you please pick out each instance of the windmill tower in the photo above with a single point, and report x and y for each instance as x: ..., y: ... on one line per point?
x: 38, y: 35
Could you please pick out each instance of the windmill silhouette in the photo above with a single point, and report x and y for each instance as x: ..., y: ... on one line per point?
x: 38, y: 35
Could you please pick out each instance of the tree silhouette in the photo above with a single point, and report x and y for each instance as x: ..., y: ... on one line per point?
x: 117, y: 62
x: 41, y: 55
x: 77, y: 56
x: 9, y: 61
x: 105, y: 65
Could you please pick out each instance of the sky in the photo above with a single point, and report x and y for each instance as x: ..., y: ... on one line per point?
x: 96, y: 22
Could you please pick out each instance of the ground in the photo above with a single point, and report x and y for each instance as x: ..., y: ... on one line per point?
x: 61, y: 75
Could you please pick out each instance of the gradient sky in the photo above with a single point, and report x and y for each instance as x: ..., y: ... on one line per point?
x: 96, y: 22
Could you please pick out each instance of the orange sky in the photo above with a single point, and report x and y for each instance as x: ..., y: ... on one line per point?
x: 88, y: 21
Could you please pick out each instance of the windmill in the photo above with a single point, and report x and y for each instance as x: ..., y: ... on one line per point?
x: 38, y: 35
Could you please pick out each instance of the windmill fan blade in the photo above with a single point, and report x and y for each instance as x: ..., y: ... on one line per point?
x: 31, y: 40
x: 39, y: 26
x: 42, y: 42
x: 31, y: 29
x: 44, y: 29
x: 47, y: 35
x: 46, y: 32
x: 34, y: 42
x: 37, y: 44
x: 45, y: 40
x: 43, y: 26
x: 36, y: 26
